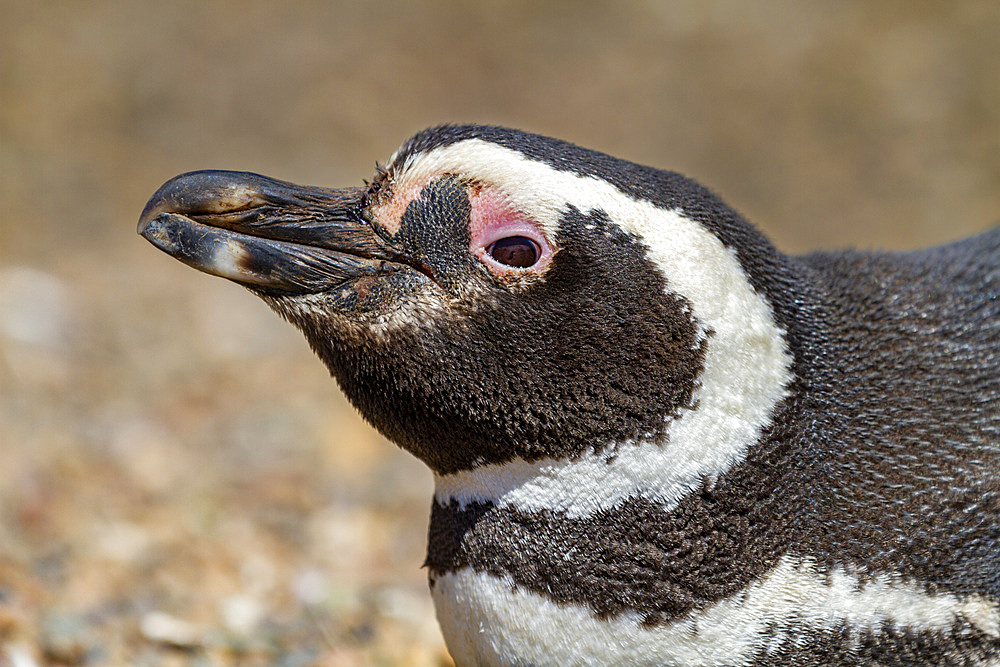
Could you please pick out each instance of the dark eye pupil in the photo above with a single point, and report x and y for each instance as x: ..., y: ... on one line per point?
x: 516, y: 251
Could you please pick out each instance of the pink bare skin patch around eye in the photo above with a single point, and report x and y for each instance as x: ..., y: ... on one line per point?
x: 492, y: 219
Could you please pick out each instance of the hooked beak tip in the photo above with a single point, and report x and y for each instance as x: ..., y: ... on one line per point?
x: 144, y: 223
x: 206, y: 192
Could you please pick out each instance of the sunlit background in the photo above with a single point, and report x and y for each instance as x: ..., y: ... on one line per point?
x: 182, y: 481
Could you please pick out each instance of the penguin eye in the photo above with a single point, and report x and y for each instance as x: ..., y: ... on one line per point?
x: 516, y: 251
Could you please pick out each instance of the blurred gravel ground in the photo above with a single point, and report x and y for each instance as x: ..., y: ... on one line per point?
x: 183, y: 484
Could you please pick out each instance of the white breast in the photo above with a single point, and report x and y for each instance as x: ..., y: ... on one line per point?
x: 486, y: 621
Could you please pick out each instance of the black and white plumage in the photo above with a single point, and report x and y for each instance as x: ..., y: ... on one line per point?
x: 655, y: 438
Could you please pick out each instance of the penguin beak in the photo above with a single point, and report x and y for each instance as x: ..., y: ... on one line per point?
x: 264, y: 233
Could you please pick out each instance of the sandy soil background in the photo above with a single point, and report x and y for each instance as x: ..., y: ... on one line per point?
x: 182, y: 483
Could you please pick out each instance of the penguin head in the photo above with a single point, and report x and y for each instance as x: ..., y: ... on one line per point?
x: 491, y: 295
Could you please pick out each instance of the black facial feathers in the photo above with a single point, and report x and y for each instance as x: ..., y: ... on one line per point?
x: 595, y: 355
x: 435, y: 231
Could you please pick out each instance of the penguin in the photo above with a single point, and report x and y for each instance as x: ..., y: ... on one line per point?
x: 656, y: 439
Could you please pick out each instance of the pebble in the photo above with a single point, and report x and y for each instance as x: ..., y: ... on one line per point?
x: 64, y: 638
x: 311, y: 587
x: 161, y: 627
x: 241, y: 614
x: 19, y: 655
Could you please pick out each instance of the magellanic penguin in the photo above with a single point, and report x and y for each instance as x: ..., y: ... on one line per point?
x: 656, y: 439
